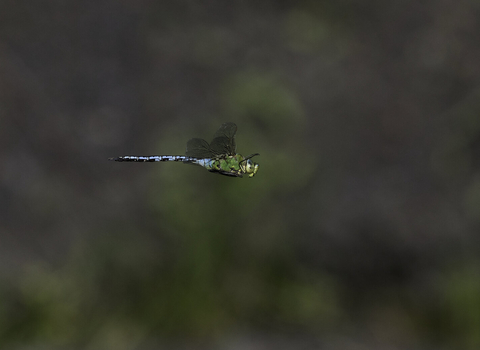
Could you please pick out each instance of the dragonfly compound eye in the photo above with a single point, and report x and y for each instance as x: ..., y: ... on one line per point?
x: 250, y: 166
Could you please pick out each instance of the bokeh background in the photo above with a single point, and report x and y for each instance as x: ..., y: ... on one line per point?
x: 360, y: 230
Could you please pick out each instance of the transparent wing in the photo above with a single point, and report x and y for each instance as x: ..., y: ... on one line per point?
x: 224, y: 140
x: 198, y: 148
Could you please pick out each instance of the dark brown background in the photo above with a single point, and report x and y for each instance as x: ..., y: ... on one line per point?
x: 360, y: 230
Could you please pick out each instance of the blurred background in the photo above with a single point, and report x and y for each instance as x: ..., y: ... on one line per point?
x: 360, y: 230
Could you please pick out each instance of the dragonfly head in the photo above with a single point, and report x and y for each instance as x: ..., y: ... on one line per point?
x: 251, y: 168
x: 248, y: 166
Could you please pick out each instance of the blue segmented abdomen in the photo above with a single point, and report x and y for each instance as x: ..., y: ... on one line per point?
x: 205, y: 162
x: 150, y: 159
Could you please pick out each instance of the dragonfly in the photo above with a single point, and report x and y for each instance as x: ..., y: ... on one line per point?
x: 219, y: 156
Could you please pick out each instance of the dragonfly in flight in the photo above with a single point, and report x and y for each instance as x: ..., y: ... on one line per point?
x: 219, y: 156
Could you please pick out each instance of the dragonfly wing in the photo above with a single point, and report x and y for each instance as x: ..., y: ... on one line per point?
x: 198, y: 148
x: 226, y: 130
x: 224, y: 140
x: 221, y: 146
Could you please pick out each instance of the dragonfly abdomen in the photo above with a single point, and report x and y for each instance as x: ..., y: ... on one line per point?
x: 152, y: 159
x: 205, y: 162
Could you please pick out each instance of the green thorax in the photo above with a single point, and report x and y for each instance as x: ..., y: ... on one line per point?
x: 235, y: 165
